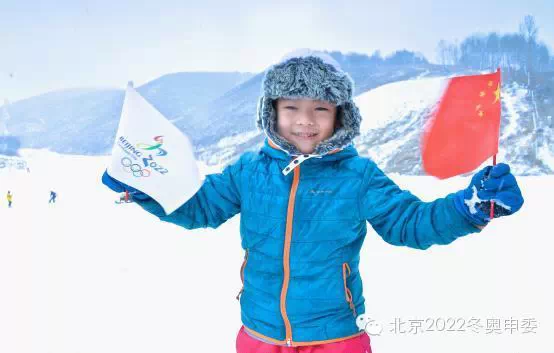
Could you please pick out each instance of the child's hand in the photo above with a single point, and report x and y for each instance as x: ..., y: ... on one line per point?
x: 490, y: 184
x: 118, y: 186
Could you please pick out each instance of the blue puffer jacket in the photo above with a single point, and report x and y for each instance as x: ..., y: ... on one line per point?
x: 302, y: 234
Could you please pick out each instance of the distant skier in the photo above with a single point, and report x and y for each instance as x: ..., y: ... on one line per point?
x: 53, y: 196
x: 9, y: 197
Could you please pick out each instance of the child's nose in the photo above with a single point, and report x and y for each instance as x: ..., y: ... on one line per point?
x: 305, y: 118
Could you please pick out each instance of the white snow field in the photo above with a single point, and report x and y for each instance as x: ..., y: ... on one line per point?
x: 409, y: 96
x: 88, y: 276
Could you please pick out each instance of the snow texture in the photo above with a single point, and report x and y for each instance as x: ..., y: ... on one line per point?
x: 87, y: 275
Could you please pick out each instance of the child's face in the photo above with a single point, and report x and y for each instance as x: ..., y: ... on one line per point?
x: 305, y: 122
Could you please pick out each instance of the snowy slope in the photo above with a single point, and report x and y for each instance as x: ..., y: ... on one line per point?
x: 86, y: 275
x: 395, y: 101
x: 233, y: 114
x: 84, y: 121
x: 394, y: 116
x: 393, y: 120
x: 207, y: 106
x: 387, y: 103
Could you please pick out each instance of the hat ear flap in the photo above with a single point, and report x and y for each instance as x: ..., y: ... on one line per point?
x: 259, y: 114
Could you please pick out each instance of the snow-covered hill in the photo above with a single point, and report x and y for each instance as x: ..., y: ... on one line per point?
x: 207, y: 106
x: 233, y: 114
x: 84, y: 121
x: 87, y: 275
x: 392, y: 132
x: 217, y: 111
x: 393, y: 118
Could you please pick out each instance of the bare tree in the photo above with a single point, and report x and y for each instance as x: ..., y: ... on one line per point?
x: 455, y: 53
x: 441, y: 52
x: 542, y: 58
x: 473, y: 51
x: 493, y: 50
x: 529, y: 30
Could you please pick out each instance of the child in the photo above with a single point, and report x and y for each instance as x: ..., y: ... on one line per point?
x: 305, y: 199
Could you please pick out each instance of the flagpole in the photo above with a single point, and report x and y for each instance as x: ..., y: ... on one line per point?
x: 492, y: 202
x: 494, y: 160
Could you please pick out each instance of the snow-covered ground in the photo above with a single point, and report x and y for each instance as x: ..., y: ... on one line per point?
x: 411, y: 96
x: 513, y: 97
x: 86, y: 275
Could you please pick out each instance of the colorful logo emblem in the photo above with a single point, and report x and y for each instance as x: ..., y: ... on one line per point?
x: 158, y: 146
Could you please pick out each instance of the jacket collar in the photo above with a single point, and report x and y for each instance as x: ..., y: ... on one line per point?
x: 272, y: 150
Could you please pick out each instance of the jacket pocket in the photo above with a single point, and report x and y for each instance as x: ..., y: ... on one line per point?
x: 347, y: 293
x: 242, y: 267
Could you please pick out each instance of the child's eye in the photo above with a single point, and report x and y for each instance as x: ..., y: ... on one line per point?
x: 290, y: 107
x: 322, y: 109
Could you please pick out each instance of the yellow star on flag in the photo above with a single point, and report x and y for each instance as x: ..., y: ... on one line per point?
x: 496, y: 94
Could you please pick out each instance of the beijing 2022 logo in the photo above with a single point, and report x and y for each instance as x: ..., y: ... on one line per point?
x: 157, y: 146
x: 132, y: 163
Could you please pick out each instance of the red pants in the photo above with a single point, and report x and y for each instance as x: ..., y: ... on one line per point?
x: 248, y: 344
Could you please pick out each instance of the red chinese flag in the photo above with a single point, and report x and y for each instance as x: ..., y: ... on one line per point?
x: 463, y: 131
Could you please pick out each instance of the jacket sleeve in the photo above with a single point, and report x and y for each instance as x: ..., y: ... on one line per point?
x: 402, y: 219
x: 215, y: 202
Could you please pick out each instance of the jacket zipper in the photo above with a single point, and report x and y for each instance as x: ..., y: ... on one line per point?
x: 242, y: 273
x: 347, y: 292
x: 286, y: 254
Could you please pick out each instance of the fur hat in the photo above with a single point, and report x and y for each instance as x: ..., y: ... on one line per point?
x: 309, y: 75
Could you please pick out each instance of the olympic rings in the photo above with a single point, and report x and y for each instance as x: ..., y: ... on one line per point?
x: 134, y: 168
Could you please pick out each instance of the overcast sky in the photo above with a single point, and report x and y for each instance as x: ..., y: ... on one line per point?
x: 51, y: 45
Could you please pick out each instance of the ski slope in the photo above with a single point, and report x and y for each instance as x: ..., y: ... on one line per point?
x: 86, y: 275
x: 407, y: 96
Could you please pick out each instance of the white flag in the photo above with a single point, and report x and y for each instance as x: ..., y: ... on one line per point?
x: 152, y: 155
